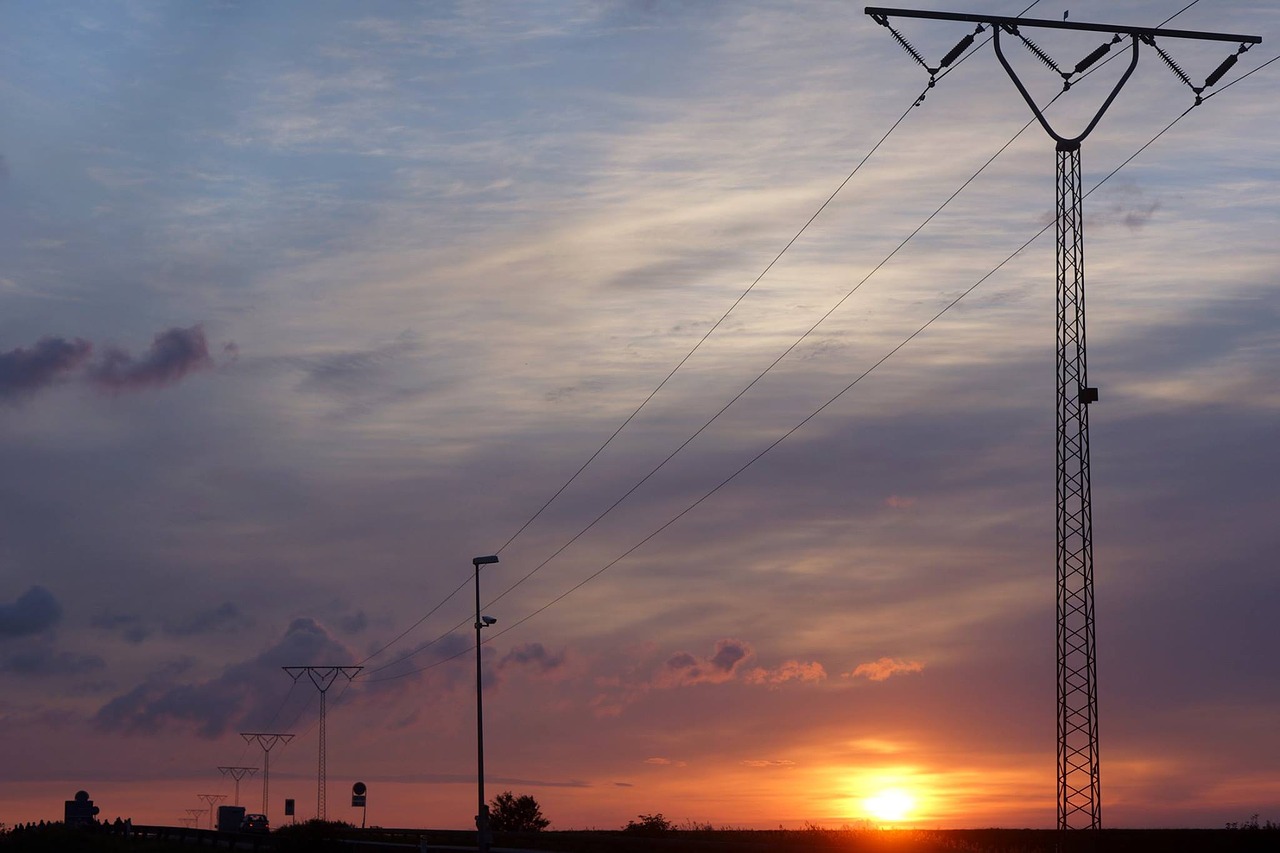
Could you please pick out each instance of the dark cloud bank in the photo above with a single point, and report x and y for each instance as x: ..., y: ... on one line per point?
x: 26, y: 632
x: 173, y: 355
x: 134, y: 628
x: 34, y: 611
x: 245, y: 694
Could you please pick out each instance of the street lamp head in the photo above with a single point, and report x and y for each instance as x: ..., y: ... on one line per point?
x: 484, y: 561
x: 486, y: 621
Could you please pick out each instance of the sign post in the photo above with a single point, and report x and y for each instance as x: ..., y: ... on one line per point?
x: 358, y: 793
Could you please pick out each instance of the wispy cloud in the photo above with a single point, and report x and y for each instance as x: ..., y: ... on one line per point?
x: 660, y: 761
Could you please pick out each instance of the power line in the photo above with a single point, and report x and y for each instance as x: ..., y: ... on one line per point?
x: 734, y: 399
x: 428, y: 614
x: 632, y: 417
x: 952, y: 66
x: 797, y: 426
x: 745, y: 389
x: 806, y: 334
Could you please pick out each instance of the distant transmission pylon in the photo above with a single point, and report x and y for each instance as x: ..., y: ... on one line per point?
x: 194, y: 815
x: 266, y: 740
x: 212, y: 800
x: 1079, y: 791
x: 238, y: 773
x: 322, y: 677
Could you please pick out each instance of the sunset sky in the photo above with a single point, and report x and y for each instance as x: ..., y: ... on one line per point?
x: 305, y: 304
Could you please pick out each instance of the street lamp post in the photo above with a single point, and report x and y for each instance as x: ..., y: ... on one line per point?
x: 482, y: 622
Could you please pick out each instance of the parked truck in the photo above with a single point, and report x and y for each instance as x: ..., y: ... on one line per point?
x: 229, y: 818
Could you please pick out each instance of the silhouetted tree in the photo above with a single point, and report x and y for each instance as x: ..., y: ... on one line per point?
x: 509, y: 813
x: 649, y: 824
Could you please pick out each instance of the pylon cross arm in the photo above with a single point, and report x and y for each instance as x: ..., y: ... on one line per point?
x: 1005, y: 21
x: 322, y: 677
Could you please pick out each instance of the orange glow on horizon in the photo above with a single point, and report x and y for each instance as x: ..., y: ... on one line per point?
x: 891, y: 805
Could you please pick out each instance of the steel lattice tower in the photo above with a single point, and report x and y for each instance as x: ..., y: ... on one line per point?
x: 237, y: 773
x: 212, y: 800
x: 1079, y: 793
x: 322, y: 678
x: 266, y: 740
x: 1079, y: 789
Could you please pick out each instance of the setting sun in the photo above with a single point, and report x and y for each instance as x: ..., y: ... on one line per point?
x: 889, y: 805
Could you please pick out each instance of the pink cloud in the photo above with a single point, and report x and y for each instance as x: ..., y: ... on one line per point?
x: 899, y: 502
x: 729, y: 662
x: 725, y: 664
x: 883, y: 668
x: 792, y: 670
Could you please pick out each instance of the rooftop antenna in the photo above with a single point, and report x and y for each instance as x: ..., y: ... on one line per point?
x: 322, y: 678
x: 1079, y: 792
x: 266, y: 740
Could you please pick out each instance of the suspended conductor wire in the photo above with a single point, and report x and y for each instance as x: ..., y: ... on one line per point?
x: 727, y: 480
x: 681, y: 363
x: 946, y: 70
x: 768, y: 368
x: 424, y: 618
x: 652, y: 394
x: 272, y: 721
x: 742, y: 392
x: 726, y: 314
x: 709, y: 332
x: 837, y: 396
x: 641, y: 407
x: 771, y: 366
x: 731, y: 402
x: 365, y: 675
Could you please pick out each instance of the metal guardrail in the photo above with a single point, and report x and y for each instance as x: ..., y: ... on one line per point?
x: 203, y: 837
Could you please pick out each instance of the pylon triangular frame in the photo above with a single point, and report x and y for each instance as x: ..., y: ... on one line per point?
x: 1065, y: 143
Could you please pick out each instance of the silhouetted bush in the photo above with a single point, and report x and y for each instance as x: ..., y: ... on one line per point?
x: 509, y: 813
x: 312, y: 836
x: 649, y: 824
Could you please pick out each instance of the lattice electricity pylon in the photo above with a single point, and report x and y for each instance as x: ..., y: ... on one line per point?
x: 322, y: 677
x: 1079, y: 791
x: 194, y: 816
x: 266, y: 740
x: 238, y: 773
x: 212, y: 800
